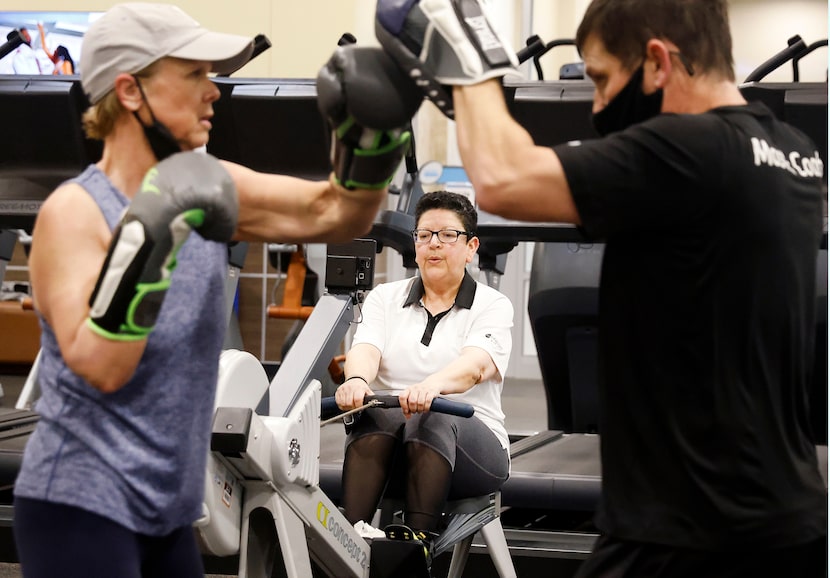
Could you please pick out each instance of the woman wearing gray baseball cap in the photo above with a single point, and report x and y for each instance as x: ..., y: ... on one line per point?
x: 131, y: 304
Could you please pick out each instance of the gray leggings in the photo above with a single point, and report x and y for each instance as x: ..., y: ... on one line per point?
x: 478, y: 462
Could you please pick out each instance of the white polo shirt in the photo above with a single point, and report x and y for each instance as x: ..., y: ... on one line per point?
x: 414, y: 345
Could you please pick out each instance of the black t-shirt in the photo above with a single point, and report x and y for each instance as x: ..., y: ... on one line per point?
x: 712, y: 225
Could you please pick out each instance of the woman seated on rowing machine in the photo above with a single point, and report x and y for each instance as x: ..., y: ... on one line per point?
x: 439, y: 333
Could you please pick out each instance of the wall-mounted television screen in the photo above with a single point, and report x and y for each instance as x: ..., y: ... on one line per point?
x: 53, y: 41
x: 41, y: 108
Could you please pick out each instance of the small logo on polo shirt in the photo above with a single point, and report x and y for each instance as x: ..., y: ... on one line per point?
x: 489, y: 337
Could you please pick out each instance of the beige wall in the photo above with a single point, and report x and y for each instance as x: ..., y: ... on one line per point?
x: 303, y: 33
x: 556, y: 21
x: 760, y: 28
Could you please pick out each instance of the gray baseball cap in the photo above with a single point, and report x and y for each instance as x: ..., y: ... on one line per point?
x: 129, y: 37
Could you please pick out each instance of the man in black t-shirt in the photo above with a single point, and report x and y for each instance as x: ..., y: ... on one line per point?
x: 711, y: 210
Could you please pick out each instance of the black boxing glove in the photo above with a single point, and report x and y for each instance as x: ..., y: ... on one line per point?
x: 185, y: 192
x: 369, y: 104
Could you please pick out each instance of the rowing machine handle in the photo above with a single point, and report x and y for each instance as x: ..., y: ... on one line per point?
x: 329, y: 407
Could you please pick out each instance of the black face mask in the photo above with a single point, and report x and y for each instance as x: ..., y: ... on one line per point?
x: 158, y: 136
x: 629, y: 107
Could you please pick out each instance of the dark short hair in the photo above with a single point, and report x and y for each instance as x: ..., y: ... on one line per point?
x: 11, y: 34
x: 455, y: 202
x: 699, y: 28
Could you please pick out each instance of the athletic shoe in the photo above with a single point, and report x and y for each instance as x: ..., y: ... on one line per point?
x: 367, y: 531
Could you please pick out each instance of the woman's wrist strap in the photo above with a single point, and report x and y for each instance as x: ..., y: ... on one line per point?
x: 363, y: 379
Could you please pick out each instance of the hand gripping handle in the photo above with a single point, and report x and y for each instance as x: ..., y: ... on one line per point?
x: 439, y: 404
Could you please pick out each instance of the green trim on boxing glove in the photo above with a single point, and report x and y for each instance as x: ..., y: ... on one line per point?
x: 136, y: 276
x: 369, y: 104
x: 374, y: 166
x: 126, y: 337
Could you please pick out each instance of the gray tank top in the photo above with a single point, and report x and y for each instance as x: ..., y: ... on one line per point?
x: 136, y: 456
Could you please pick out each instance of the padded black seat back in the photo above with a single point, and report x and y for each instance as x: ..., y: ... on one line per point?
x: 563, y: 310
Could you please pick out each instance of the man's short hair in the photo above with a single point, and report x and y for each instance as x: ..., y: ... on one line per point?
x: 699, y: 28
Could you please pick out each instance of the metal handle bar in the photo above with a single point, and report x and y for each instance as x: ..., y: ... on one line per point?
x: 329, y: 409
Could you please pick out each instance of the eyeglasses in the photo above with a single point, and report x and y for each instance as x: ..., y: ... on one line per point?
x: 449, y: 236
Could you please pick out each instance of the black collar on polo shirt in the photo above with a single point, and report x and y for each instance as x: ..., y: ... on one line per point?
x: 464, y: 298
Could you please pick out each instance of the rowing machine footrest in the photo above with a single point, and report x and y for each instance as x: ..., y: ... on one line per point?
x: 397, y: 559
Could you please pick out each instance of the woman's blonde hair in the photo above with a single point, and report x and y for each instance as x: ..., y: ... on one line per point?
x: 100, y: 118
